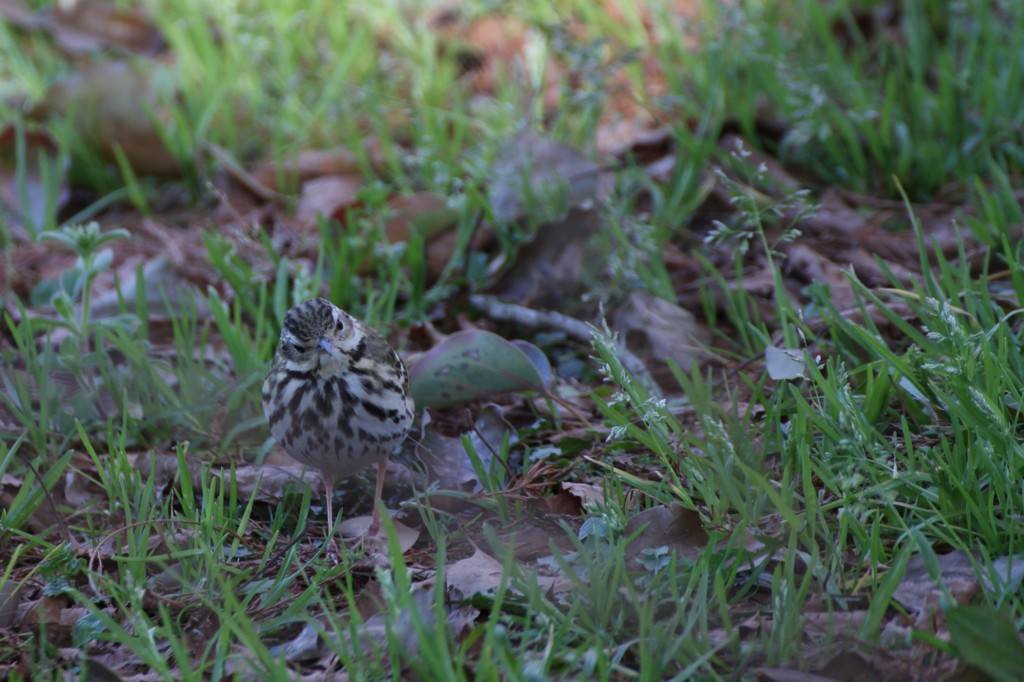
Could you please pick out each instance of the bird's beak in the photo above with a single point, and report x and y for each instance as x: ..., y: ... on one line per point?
x: 325, y: 346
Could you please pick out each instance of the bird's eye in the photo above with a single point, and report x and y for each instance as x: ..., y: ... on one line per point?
x: 294, y: 347
x: 341, y: 325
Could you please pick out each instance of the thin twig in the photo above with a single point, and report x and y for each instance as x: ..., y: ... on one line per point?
x: 577, y: 329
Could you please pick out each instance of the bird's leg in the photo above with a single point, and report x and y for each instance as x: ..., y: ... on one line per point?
x: 374, y: 527
x: 332, y: 545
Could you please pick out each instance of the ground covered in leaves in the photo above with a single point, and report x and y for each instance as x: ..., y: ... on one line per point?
x: 710, y: 312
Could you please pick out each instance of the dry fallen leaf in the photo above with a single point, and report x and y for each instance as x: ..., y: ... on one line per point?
x: 356, y: 526
x: 325, y: 197
x: 445, y: 459
x: 482, y: 574
x: 268, y: 482
x: 536, y: 537
x: 675, y: 528
x: 540, y: 176
x: 485, y: 46
x: 428, y: 216
x: 304, y: 166
x: 88, y: 26
x: 657, y: 331
x: 806, y: 262
x: 114, y: 104
x: 789, y: 675
x: 54, y: 613
x: 552, y: 270
x: 10, y: 591
x: 590, y: 495
x: 635, y: 139
x: 919, y: 594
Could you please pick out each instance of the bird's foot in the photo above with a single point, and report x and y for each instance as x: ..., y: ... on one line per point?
x: 331, y: 551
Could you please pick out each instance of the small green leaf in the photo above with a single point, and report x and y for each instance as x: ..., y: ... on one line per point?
x: 72, y: 281
x: 127, y: 322
x: 62, y: 237
x: 101, y: 261
x: 70, y: 347
x: 43, y: 292
x: 64, y: 306
x: 83, y: 239
x: 987, y: 639
x: 471, y: 364
x: 86, y: 629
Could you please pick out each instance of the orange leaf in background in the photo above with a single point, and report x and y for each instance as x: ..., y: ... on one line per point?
x: 429, y: 216
x: 327, y: 196
x: 426, y: 214
x: 484, y: 46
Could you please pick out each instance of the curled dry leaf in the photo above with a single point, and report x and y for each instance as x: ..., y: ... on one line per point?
x: 635, y: 140
x: 403, y: 629
x: 1006, y: 576
x: 54, y: 614
x: 88, y: 25
x: 484, y: 46
x: 834, y: 623
x: 533, y: 539
x: 304, y: 646
x: 589, y: 495
x: 425, y: 214
x: 477, y: 574
x: 239, y: 174
x: 836, y: 220
x: 357, y: 525
x: 80, y: 490
x: 790, y: 675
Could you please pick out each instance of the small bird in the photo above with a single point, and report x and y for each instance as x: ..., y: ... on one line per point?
x: 337, y: 397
